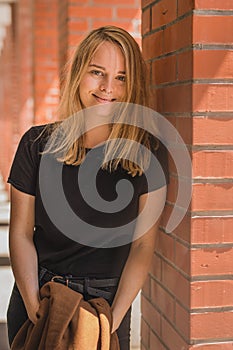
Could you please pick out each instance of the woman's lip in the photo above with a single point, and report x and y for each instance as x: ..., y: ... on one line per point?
x: 103, y: 100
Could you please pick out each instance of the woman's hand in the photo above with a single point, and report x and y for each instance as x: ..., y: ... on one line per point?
x: 32, y: 309
x: 115, y: 322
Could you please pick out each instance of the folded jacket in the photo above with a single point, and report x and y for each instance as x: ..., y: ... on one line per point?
x: 67, y: 321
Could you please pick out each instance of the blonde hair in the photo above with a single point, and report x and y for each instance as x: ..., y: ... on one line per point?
x: 73, y: 152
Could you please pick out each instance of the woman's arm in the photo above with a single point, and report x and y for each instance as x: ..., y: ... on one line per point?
x: 22, y: 250
x: 140, y: 256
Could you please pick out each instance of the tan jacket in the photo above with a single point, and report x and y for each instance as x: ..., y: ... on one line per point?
x: 66, y: 321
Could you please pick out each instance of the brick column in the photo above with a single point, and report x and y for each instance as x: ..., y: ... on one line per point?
x: 9, y: 96
x: 212, y: 215
x: 16, y: 81
x: 23, y: 40
x: 187, y: 299
x: 46, y: 59
x: 6, y: 116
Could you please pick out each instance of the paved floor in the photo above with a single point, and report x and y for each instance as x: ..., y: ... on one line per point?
x: 6, y: 279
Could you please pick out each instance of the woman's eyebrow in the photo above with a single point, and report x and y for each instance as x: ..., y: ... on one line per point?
x: 97, y: 66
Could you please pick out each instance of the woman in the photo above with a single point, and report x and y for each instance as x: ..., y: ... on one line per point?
x: 107, y: 68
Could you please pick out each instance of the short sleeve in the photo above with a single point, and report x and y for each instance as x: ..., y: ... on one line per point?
x: 24, y: 169
x: 157, y: 174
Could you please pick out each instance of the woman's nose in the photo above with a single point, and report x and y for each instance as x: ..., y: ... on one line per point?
x: 107, y: 85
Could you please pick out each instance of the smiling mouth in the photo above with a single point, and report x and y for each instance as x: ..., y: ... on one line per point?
x: 103, y: 100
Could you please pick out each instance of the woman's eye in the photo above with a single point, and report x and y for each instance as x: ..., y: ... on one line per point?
x: 121, y: 78
x: 97, y: 72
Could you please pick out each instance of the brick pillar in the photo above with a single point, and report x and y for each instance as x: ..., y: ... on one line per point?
x: 63, y: 37
x: 46, y: 59
x: 8, y: 91
x: 212, y: 221
x: 6, y: 115
x: 23, y: 42
x: 187, y: 299
x: 16, y: 80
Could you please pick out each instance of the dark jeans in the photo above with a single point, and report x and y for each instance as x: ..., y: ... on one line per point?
x: 17, y: 315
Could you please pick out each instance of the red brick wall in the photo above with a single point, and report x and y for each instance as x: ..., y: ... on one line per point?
x: 87, y: 15
x: 212, y: 253
x: 187, y: 300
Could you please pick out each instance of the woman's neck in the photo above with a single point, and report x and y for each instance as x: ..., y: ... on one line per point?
x: 97, y: 136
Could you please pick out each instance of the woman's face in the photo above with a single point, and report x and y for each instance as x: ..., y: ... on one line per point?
x: 104, y: 80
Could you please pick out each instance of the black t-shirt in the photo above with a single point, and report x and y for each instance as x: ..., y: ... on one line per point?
x: 57, y: 251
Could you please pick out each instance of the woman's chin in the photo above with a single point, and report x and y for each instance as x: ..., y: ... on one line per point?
x: 105, y: 109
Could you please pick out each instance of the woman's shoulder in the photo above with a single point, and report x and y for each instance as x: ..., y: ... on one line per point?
x: 40, y: 130
x: 37, y: 134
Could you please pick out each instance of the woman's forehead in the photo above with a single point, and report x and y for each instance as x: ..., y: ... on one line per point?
x: 109, y: 55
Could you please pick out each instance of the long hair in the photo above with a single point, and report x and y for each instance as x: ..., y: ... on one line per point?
x: 72, y: 151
